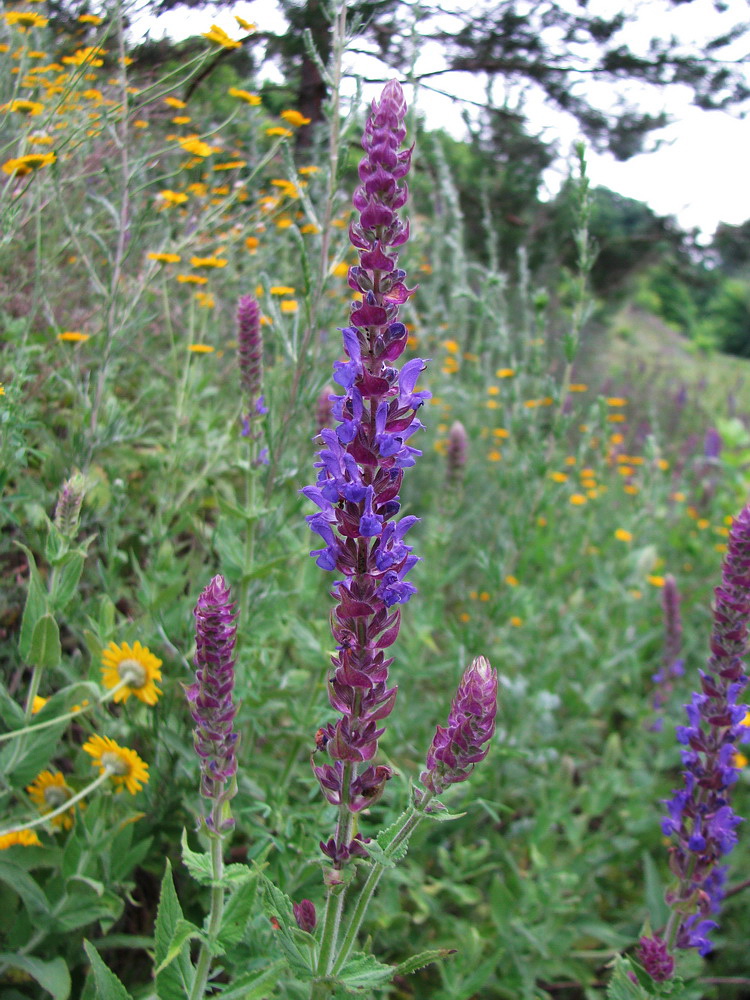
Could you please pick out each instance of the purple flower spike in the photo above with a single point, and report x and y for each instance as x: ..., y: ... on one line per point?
x: 210, y: 698
x: 471, y: 724
x: 360, y: 469
x: 655, y: 959
x: 699, y: 815
x: 250, y: 357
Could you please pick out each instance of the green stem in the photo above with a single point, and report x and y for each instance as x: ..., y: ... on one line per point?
x: 203, y: 966
x: 46, y: 817
x: 107, y: 696
x: 412, y: 818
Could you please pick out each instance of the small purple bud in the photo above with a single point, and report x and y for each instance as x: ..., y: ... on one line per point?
x: 249, y: 346
x: 455, y: 454
x: 304, y: 914
x: 655, y: 959
x: 68, y: 508
x: 471, y: 724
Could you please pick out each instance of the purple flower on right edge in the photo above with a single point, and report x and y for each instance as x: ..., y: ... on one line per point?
x: 699, y: 814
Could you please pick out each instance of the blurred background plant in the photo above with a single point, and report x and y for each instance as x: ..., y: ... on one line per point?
x: 145, y: 190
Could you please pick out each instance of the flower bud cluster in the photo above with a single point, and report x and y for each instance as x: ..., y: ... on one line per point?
x: 699, y: 815
x: 471, y: 723
x: 210, y: 697
x: 361, y: 466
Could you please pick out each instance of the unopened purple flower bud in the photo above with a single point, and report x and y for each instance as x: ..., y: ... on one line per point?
x: 471, y: 723
x: 305, y: 915
x: 455, y: 453
x: 655, y: 958
x: 249, y: 347
x: 712, y: 443
x: 68, y: 508
x: 210, y: 698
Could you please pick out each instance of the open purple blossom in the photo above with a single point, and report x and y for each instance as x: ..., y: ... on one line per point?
x: 360, y: 468
x: 699, y: 814
x: 210, y: 698
x: 456, y: 748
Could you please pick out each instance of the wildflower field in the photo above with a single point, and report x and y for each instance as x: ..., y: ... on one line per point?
x: 224, y: 347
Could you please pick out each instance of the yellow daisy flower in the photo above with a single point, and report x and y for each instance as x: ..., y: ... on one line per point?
x: 294, y: 117
x: 218, y: 36
x: 135, y: 664
x: 73, y: 336
x: 48, y: 792
x: 23, y: 165
x: 128, y: 770
x: 26, y: 838
x: 192, y: 144
x: 245, y: 95
x: 23, y: 107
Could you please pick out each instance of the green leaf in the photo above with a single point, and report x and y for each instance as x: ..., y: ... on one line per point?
x: 622, y: 987
x: 255, y: 985
x: 53, y: 976
x: 26, y: 888
x: 421, y: 960
x: 364, y: 972
x: 175, y: 981
x: 66, y: 579
x: 237, y: 911
x: 298, y: 946
x: 199, y: 865
x: 45, y: 650
x: 25, y: 756
x: 658, y: 911
x: 378, y: 855
x: 108, y: 986
x: 184, y: 931
x: 10, y: 711
x: 36, y: 606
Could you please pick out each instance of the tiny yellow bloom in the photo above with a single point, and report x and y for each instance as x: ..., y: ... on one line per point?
x: 278, y: 130
x: 22, y: 838
x: 135, y: 664
x: 308, y: 170
x: 516, y: 622
x: 48, y: 791
x: 230, y: 165
x: 558, y: 477
x: 126, y: 767
x: 73, y: 336
x: 173, y: 197
x: 192, y: 279
x: 309, y: 227
x: 165, y: 258
x: 577, y: 499
x: 290, y: 306
x: 181, y: 120
x: 205, y: 299
x: 678, y: 497
x: 140, y: 123
x: 616, y: 418
x: 201, y: 348
x: 493, y: 390
x: 218, y: 36
x: 245, y: 25
x: 451, y: 346
x: 192, y: 144
x: 484, y: 596
x: 511, y: 580
x: 252, y: 243
x: 23, y: 165
x: 629, y: 488
x: 175, y: 102
x: 281, y: 290
x: 505, y: 372
x: 38, y: 704
x: 623, y: 536
x: 23, y: 107
x: 655, y: 581
x: 245, y: 95
x: 90, y: 19
x: 294, y: 118
x: 577, y: 387
x: 494, y: 455
x: 284, y: 223
x: 616, y: 401
x: 464, y: 617
x: 212, y: 261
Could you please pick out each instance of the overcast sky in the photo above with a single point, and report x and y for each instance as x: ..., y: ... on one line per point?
x: 700, y: 174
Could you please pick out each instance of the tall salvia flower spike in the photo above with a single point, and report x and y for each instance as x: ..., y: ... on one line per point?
x: 673, y: 664
x: 250, y: 355
x: 455, y: 453
x: 68, y: 507
x: 456, y: 748
x: 699, y: 815
x: 360, y: 467
x: 210, y: 698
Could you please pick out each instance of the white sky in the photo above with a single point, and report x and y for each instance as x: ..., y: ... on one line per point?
x: 700, y: 174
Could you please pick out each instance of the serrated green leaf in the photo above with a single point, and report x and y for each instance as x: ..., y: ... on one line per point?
x: 378, y: 855
x: 53, y: 976
x: 621, y: 986
x: 198, y: 864
x: 45, y: 650
x: 176, y: 981
x: 421, y: 960
x: 237, y: 911
x: 255, y: 985
x: 108, y: 986
x: 184, y: 931
x: 364, y: 972
x: 36, y: 606
x: 26, y: 888
x: 299, y: 947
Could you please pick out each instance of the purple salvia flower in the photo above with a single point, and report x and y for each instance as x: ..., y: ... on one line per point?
x: 465, y: 740
x: 672, y: 663
x: 210, y: 699
x: 68, y: 507
x: 360, y: 468
x: 250, y: 356
x: 699, y: 815
x: 305, y: 915
x: 655, y: 958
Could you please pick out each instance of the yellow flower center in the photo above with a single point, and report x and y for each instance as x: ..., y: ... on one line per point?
x: 115, y: 763
x: 133, y: 672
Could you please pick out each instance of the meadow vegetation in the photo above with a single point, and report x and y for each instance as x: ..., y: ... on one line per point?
x: 574, y: 459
